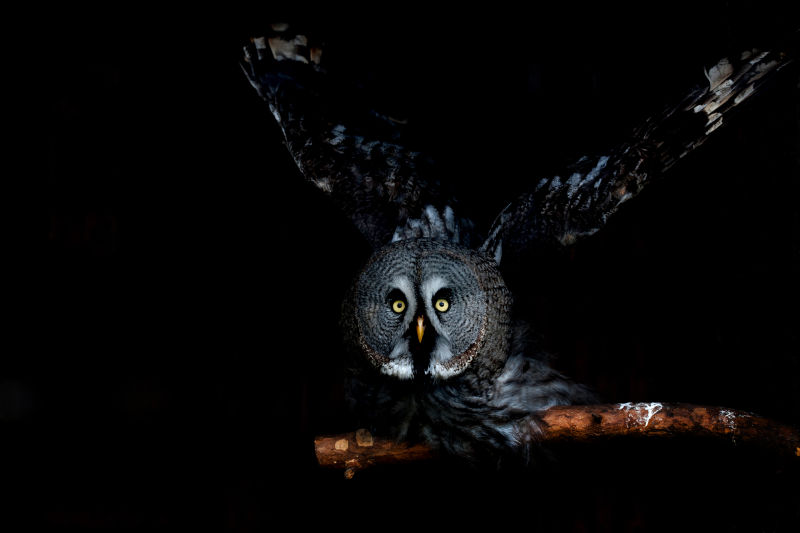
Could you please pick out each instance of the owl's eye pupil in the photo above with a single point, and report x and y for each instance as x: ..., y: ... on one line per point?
x: 398, y: 306
x: 442, y: 305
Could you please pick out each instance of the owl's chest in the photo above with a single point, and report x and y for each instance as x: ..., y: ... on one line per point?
x: 426, y: 407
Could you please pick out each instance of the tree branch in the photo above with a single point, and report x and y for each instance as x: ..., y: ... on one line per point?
x: 358, y: 450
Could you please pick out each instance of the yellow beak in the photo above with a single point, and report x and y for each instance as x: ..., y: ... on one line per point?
x: 420, y: 328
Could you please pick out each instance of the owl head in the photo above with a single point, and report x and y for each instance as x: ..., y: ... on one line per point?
x: 424, y: 309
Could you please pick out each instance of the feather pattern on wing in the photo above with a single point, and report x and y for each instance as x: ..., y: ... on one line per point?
x: 562, y: 209
x: 389, y: 191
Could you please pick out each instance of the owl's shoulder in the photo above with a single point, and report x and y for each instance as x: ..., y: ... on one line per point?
x: 528, y: 382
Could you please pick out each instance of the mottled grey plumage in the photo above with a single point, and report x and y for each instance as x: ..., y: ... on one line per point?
x: 434, y: 349
x: 350, y: 154
x: 471, y: 386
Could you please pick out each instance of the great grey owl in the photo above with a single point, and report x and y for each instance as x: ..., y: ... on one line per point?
x: 435, y: 351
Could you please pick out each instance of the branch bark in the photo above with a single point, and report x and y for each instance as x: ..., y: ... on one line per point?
x: 584, y: 423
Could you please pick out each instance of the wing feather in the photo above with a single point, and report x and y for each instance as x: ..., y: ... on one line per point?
x: 562, y: 209
x: 351, y: 153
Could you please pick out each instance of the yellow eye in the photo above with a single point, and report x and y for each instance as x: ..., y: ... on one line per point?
x: 442, y: 305
x: 398, y: 306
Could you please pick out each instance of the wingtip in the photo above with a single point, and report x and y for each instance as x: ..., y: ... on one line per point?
x: 285, y: 44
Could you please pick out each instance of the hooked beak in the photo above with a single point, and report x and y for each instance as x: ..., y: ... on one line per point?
x: 420, y: 328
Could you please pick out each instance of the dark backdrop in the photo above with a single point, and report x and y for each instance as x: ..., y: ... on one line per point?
x: 171, y: 331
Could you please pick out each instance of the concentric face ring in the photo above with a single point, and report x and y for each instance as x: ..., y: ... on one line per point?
x: 422, y: 286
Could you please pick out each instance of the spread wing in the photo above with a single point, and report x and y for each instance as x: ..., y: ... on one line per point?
x: 562, y: 209
x: 357, y: 155
x: 351, y: 152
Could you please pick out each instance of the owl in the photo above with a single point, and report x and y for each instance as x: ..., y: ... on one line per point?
x: 435, y: 354
x: 435, y: 351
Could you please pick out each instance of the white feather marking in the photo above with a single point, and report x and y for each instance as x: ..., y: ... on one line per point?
x: 511, y: 433
x: 541, y: 183
x: 288, y: 50
x: 625, y: 197
x: 403, y: 284
x: 759, y: 57
x: 338, y: 135
x: 275, y: 113
x: 747, y: 92
x: 440, y: 372
x: 573, y: 182
x: 431, y: 286
x: 324, y: 184
x: 435, y: 221
x: 498, y: 252
x: 714, y: 126
x: 712, y: 117
x: 601, y: 163
x: 719, y: 72
x: 449, y: 219
x: 764, y: 67
x: 403, y: 369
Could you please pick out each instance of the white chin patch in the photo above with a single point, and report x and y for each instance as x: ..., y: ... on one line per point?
x: 400, y: 368
x: 438, y: 371
x: 400, y: 364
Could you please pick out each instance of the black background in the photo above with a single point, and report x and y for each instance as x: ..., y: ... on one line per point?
x: 171, y: 337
